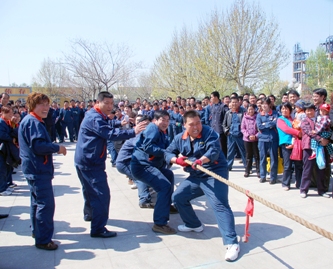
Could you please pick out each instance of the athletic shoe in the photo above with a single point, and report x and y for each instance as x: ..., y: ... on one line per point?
x: 164, y: 229
x: 303, y: 195
x: 183, y: 228
x: 262, y: 180
x: 105, y: 234
x: 325, y: 195
x: 232, y: 252
x: 134, y: 186
x: 6, y: 193
x: 147, y: 205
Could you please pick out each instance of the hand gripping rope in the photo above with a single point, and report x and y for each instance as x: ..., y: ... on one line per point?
x: 250, y: 206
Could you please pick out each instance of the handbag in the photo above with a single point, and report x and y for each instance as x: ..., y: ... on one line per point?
x: 320, y: 157
x: 297, y: 152
x: 280, y: 165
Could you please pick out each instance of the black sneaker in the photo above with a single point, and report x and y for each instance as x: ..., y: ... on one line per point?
x: 147, y: 205
x: 49, y: 246
x: 262, y: 180
x: 272, y: 182
x: 105, y: 234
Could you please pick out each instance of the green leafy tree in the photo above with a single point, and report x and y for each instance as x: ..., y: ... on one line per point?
x: 319, y: 70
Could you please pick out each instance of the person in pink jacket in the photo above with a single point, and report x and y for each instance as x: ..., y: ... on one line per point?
x: 250, y: 131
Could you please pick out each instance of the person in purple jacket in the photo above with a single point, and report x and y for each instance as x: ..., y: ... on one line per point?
x: 250, y: 131
x: 36, y: 149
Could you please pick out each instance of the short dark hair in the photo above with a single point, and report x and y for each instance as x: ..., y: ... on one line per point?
x: 294, y: 92
x: 287, y: 105
x: 103, y: 95
x: 143, y: 118
x: 161, y: 113
x: 266, y: 100
x: 216, y: 94
x: 321, y: 92
x: 190, y: 114
x: 309, y: 106
x: 272, y: 95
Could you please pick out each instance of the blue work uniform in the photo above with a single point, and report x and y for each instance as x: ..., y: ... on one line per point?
x: 123, y: 166
x: 6, y: 137
x: 268, y: 141
x: 66, y: 121
x: 36, y: 149
x: 89, y: 159
x: 76, y: 114
x: 199, y: 183
x: 148, y: 165
x: 176, y: 124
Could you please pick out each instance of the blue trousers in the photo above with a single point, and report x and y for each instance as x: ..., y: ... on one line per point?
x: 162, y: 181
x: 112, y: 151
x: 217, y: 195
x: 143, y: 189
x: 5, y: 173
x: 233, y: 142
x: 41, y: 209
x: 76, y: 127
x: 272, y: 148
x: 69, y: 126
x: 96, y: 195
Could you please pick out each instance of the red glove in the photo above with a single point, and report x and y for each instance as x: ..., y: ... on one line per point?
x: 194, y: 165
x: 181, y: 161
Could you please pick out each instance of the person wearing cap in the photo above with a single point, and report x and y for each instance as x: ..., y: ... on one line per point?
x: 322, y: 128
x: 307, y: 126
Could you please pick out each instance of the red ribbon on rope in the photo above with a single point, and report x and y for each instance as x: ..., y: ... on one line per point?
x: 249, y: 212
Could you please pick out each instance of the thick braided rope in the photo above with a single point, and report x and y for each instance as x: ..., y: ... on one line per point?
x: 279, y: 209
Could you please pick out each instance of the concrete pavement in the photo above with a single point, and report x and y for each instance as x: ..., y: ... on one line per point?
x: 275, y: 241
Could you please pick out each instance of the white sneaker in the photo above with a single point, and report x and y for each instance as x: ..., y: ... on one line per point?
x: 183, y: 228
x: 134, y: 186
x: 232, y: 252
x: 303, y: 195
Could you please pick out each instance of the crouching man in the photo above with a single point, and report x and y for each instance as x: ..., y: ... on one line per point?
x: 200, y: 144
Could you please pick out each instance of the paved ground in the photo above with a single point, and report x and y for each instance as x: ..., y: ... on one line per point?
x: 275, y: 242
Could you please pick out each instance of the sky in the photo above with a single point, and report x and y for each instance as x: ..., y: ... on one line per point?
x: 34, y: 30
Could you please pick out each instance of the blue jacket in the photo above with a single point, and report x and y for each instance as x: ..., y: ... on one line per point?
x: 36, y: 149
x: 95, y: 130
x: 267, y: 126
x: 66, y: 115
x: 208, y: 144
x: 150, y: 147
x: 126, y: 151
x: 76, y: 114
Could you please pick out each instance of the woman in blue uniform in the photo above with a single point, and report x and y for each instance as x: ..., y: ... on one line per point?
x: 36, y: 149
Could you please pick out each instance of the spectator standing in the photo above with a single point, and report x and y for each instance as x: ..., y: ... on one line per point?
x: 268, y: 140
x: 286, y: 133
x: 66, y: 121
x: 249, y: 130
x: 232, y: 128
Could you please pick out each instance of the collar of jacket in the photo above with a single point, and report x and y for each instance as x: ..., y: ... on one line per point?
x: 269, y: 113
x: 100, y: 112
x: 36, y: 116
x: 186, y: 135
